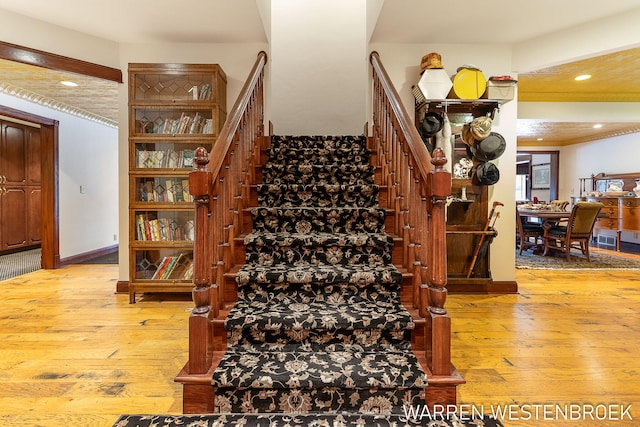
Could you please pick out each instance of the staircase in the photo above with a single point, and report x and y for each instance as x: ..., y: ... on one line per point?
x: 297, y: 285
x: 318, y: 325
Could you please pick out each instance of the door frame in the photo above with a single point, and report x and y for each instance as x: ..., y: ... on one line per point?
x: 49, y: 137
x: 554, y: 171
x: 49, y: 182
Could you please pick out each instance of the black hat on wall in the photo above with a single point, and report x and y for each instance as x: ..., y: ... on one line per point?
x: 487, y: 173
x: 430, y: 125
x: 490, y: 148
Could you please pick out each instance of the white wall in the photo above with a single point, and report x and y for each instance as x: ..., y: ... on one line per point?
x: 612, y: 155
x: 40, y: 35
x: 319, y: 66
x: 88, y: 154
x: 402, y: 62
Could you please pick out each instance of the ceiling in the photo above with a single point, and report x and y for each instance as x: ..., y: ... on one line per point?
x: 615, y: 77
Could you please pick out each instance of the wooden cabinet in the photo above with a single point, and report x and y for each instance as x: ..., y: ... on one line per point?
x: 20, y: 207
x: 465, y: 219
x: 622, y: 214
x: 465, y: 223
x: 173, y: 109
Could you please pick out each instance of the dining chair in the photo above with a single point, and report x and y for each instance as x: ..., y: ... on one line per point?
x: 525, y: 231
x: 574, y: 232
x: 560, y: 205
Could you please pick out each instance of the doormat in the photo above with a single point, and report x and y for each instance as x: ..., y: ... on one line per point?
x: 19, y: 263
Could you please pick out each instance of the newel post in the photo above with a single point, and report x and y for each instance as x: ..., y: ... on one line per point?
x: 199, y: 339
x: 438, y: 320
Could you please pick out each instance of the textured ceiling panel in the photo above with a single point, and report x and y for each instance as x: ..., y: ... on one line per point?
x: 93, y: 98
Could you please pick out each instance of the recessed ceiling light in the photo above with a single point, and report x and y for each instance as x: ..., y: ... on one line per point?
x: 540, y: 139
x: 68, y: 83
x: 597, y: 126
x: 583, y: 77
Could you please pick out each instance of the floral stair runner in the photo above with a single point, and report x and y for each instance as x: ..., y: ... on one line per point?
x: 318, y: 326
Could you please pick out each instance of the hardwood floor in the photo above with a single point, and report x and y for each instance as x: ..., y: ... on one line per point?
x: 73, y: 353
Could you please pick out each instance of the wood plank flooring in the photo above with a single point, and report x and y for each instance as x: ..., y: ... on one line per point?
x: 73, y: 353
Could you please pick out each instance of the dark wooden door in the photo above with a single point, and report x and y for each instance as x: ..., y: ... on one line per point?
x: 20, y: 204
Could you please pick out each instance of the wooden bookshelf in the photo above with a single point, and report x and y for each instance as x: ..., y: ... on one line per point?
x: 173, y: 109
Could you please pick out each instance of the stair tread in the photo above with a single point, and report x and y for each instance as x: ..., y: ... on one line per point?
x: 391, y: 340
x: 310, y: 273
x: 333, y: 307
x: 308, y: 239
x: 351, y: 370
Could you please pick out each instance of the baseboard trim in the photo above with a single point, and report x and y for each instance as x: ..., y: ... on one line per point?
x: 468, y: 286
x: 122, y: 287
x: 77, y: 259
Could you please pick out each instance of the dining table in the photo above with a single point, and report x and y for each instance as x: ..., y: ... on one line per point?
x: 547, y: 217
x: 543, y: 216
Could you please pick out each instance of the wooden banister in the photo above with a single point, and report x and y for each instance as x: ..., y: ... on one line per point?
x: 219, y: 184
x: 417, y: 188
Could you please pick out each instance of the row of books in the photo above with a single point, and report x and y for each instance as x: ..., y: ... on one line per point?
x: 187, y: 124
x: 163, y: 229
x: 162, y: 189
x: 175, y: 267
x: 168, y: 158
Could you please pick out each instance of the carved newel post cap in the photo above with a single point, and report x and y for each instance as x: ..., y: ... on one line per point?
x: 201, y: 157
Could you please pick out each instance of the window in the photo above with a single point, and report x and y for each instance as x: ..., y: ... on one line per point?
x: 521, y: 187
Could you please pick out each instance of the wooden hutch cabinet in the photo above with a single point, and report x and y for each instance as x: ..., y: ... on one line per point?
x: 173, y: 109
x: 466, y: 219
x: 622, y: 212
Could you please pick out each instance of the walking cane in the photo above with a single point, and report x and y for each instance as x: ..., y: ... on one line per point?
x: 492, y: 215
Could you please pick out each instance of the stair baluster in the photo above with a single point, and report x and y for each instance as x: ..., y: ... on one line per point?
x: 418, y: 188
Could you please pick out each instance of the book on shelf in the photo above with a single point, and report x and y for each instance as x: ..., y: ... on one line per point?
x: 161, y: 159
x: 187, y: 158
x: 176, y: 267
x: 186, y: 196
x: 205, y: 91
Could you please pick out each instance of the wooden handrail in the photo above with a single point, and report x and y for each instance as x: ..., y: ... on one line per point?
x: 219, y: 184
x: 417, y: 147
x: 230, y: 126
x: 417, y: 187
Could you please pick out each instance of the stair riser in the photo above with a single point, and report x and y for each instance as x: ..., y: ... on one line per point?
x: 314, y: 195
x: 314, y: 177
x: 331, y: 400
x: 322, y: 276
x: 335, y: 340
x: 283, y: 220
x: 317, y: 141
x: 323, y: 156
x: 319, y: 255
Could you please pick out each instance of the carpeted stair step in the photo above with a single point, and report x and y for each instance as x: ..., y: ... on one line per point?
x: 331, y: 195
x: 309, y: 173
x: 319, y: 382
x: 317, y: 142
x: 318, y: 248
x: 319, y: 401
x: 341, y: 306
x: 283, y: 274
x: 312, y: 340
x: 318, y: 220
x: 349, y: 370
x: 279, y: 419
x: 323, y: 155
